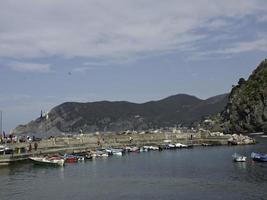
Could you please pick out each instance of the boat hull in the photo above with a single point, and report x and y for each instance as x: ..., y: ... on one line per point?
x: 259, y: 157
x: 44, y: 161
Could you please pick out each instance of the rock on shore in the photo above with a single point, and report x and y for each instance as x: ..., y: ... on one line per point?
x: 240, y: 139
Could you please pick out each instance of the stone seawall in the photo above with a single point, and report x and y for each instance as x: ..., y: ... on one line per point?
x: 115, y: 140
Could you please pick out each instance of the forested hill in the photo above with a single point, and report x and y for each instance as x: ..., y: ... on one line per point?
x: 121, y: 115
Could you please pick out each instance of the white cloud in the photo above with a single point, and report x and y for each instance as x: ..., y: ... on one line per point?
x: 255, y: 45
x: 111, y: 29
x: 258, y: 44
x: 30, y: 67
x: 82, y: 69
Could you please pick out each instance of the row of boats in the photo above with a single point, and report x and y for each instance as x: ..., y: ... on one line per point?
x: 60, y: 160
x: 259, y: 157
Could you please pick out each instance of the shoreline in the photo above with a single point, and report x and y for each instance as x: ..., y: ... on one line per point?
x: 91, y: 142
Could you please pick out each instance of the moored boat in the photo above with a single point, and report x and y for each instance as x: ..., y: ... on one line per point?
x: 239, y: 158
x: 54, y: 160
x: 170, y: 146
x: 132, y: 149
x: 180, y: 145
x: 142, y: 149
x: 99, y: 153
x: 153, y: 148
x: 259, y: 157
x: 69, y: 158
x: 112, y: 151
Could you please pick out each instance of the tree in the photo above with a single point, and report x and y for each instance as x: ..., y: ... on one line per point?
x: 241, y: 81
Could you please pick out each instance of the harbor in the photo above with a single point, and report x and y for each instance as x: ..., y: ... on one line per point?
x: 88, y: 143
x: 193, y: 173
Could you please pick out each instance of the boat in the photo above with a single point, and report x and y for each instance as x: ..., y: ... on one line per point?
x: 69, y: 158
x: 142, y: 149
x: 131, y: 149
x: 206, y: 144
x: 79, y: 157
x: 239, y: 158
x: 259, y: 157
x: 83, y: 156
x: 153, y: 148
x: 45, y: 160
x: 113, y: 151
x: 170, y: 146
x: 180, y: 145
x: 99, y: 153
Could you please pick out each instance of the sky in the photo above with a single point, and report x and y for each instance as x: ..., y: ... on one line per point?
x: 53, y: 51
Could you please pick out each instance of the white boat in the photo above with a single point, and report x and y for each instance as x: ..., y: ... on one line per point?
x: 171, y: 146
x: 97, y: 154
x: 239, y: 158
x: 142, y: 149
x: 56, y: 161
x: 117, y: 153
x: 151, y: 148
x: 180, y: 145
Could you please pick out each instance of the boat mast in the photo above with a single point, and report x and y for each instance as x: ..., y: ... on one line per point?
x: 1, y: 122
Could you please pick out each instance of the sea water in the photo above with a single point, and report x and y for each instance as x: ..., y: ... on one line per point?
x: 198, y: 173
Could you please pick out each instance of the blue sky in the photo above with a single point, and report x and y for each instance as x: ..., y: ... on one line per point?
x: 54, y: 51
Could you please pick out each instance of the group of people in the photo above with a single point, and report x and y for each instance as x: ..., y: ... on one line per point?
x: 35, y: 145
x: 19, y: 139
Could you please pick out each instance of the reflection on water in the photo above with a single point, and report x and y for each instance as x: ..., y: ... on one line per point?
x: 198, y: 173
x: 241, y: 165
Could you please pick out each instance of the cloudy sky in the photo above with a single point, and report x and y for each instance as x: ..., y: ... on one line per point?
x: 52, y: 51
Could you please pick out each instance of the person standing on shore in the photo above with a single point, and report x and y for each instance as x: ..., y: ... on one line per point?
x: 35, y: 146
x: 30, y: 147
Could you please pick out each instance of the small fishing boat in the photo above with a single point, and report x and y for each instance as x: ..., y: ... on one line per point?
x: 83, y: 155
x: 99, y: 153
x: 113, y: 151
x: 132, y: 149
x: 142, y: 149
x: 54, y: 160
x: 70, y: 158
x: 259, y: 157
x: 153, y: 148
x: 180, y: 145
x: 79, y: 157
x: 170, y: 146
x: 239, y: 158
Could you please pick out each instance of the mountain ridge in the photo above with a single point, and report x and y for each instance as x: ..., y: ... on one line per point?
x: 121, y: 115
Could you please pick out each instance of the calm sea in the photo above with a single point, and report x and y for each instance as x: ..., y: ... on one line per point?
x: 198, y: 173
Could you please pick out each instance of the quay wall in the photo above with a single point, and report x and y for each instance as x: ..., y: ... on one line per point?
x: 115, y: 140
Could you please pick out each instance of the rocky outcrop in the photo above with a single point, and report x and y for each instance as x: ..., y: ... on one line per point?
x: 246, y: 110
x: 240, y: 140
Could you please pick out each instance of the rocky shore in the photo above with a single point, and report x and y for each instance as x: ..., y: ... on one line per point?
x: 240, y: 139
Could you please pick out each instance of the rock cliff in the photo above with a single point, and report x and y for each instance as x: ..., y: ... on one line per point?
x: 246, y: 110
